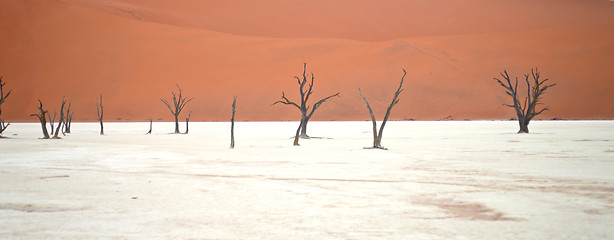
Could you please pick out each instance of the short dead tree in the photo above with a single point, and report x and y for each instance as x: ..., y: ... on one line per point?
x: 232, y: 122
x: 60, y: 121
x: 3, y: 97
x: 303, y: 107
x: 179, y: 102
x: 100, y: 113
x: 150, y: 126
x: 52, y: 121
x: 377, y: 136
x: 525, y: 111
x: 68, y: 121
x: 41, y: 117
x: 187, y: 123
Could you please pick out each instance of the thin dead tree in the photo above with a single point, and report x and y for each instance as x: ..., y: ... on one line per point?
x: 179, y: 103
x: 41, y: 117
x: 150, y: 126
x: 187, y: 123
x: 377, y: 136
x: 60, y: 121
x: 303, y: 107
x: 232, y: 122
x: 3, y: 97
x: 100, y: 113
x: 68, y: 121
x: 52, y: 121
x: 525, y: 111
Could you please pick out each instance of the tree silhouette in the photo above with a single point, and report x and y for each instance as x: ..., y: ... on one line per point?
x: 60, y: 121
x: 303, y: 107
x: 68, y: 121
x: 232, y: 123
x: 100, y: 113
x: 178, y: 104
x: 377, y: 136
x: 41, y: 117
x: 3, y: 97
x: 525, y: 111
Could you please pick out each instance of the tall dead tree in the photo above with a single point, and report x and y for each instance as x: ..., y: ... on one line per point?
x: 100, y: 113
x: 303, y: 107
x: 3, y: 97
x: 60, y: 121
x: 41, y: 117
x: 525, y: 111
x: 377, y: 136
x: 232, y: 123
x: 179, y: 102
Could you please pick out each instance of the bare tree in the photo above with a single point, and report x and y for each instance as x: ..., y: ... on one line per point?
x: 61, y: 120
x: 3, y: 97
x: 179, y: 103
x: 303, y: 107
x: 100, y: 113
x: 377, y: 136
x: 68, y: 121
x: 150, y: 126
x: 525, y: 111
x: 187, y: 123
x: 52, y: 121
x: 41, y: 117
x: 232, y: 123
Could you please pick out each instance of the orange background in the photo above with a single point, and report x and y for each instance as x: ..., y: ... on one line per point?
x: 133, y: 52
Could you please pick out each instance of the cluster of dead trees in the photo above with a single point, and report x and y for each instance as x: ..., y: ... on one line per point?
x: 526, y: 108
x: 64, y: 122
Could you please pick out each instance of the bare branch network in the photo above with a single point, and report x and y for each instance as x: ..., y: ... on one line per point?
x: 525, y: 110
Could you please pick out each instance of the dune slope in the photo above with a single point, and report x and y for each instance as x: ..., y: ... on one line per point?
x: 135, y: 52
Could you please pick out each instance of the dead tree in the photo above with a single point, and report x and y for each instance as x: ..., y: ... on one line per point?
x: 377, y: 136
x: 60, y: 121
x: 3, y: 97
x: 41, y: 117
x: 150, y: 126
x: 525, y: 111
x: 100, y: 113
x: 187, y: 123
x: 68, y: 121
x: 52, y: 121
x: 179, y: 103
x: 232, y: 123
x: 306, y: 114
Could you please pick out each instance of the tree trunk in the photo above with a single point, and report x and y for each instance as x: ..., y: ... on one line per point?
x: 176, y: 124
x: 524, y: 126
x: 297, y: 136
x: 60, y: 121
x: 44, y: 126
x: 187, y: 125
x: 101, y: 128
x: 150, y: 126
x: 304, y: 128
x: 232, y: 122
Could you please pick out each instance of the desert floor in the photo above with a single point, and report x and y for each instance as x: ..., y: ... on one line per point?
x: 438, y: 180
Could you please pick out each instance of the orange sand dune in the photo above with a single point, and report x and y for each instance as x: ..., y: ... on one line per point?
x: 133, y: 52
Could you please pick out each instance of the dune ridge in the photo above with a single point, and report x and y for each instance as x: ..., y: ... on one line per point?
x: 134, y: 52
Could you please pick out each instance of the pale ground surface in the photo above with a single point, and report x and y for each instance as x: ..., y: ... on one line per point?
x: 439, y: 180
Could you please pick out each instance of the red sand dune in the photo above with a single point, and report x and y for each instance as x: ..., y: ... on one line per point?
x: 133, y: 52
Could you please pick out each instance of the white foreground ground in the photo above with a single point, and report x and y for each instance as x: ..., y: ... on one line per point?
x: 438, y: 180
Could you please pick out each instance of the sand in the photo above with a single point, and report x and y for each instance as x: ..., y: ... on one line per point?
x: 438, y: 180
x: 134, y: 52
